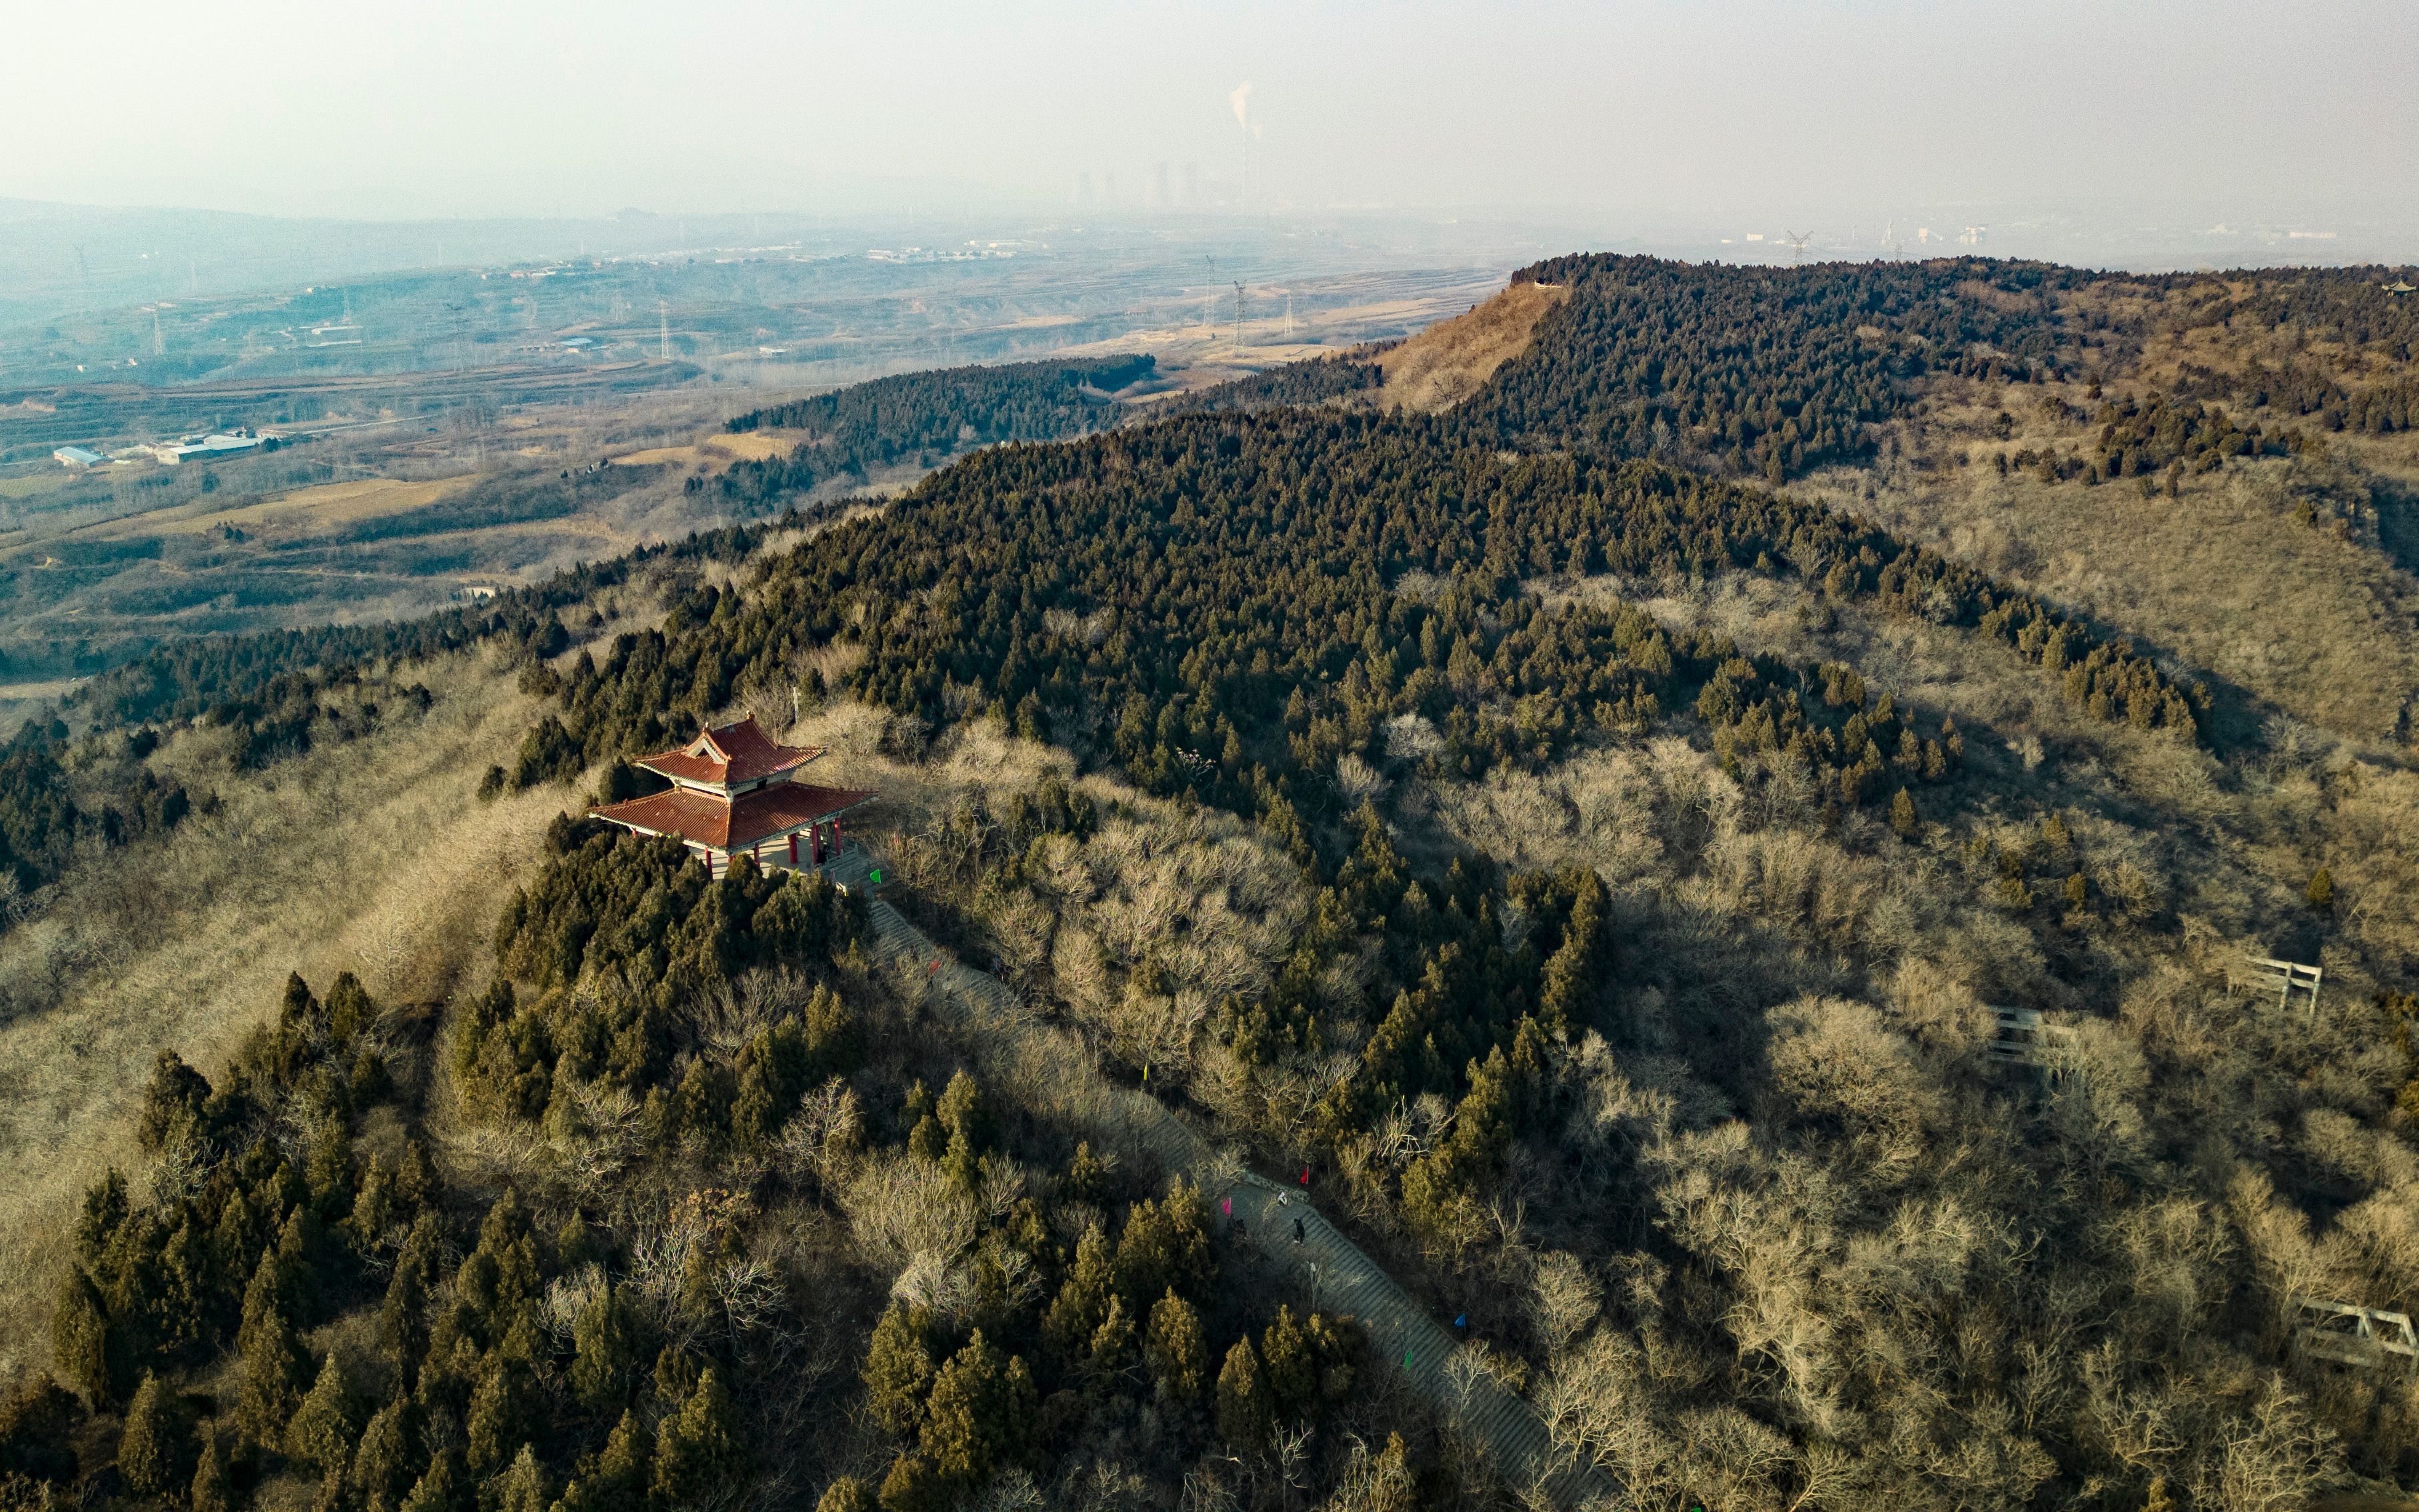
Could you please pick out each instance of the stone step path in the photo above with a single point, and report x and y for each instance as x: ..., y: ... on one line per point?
x: 1053, y: 1062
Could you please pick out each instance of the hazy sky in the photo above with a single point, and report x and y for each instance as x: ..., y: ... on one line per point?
x: 515, y: 106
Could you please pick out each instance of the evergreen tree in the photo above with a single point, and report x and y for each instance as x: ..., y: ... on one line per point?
x: 1244, y: 1412
x: 1112, y: 1351
x: 443, y: 1487
x: 275, y: 1371
x: 1903, y: 820
x: 156, y: 1452
x: 2321, y: 893
x: 1288, y: 1367
x: 80, y: 1339
x: 502, y: 1413
x: 698, y: 1451
x: 37, y: 1424
x: 607, y: 1343
x: 846, y: 1494
x: 898, y: 1369
x: 914, y: 1486
x: 323, y: 1430
x: 385, y: 1462
x: 617, y: 1482
x: 522, y: 1487
x: 1082, y: 1304
x: 981, y: 1414
x: 1176, y: 1348
x: 403, y: 1318
x: 213, y: 1489
x: 1165, y: 1243
x: 330, y: 1172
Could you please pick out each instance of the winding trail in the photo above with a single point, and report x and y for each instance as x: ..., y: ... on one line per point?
x: 1052, y: 1063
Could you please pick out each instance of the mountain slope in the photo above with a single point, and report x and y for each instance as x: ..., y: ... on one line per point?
x: 1591, y: 866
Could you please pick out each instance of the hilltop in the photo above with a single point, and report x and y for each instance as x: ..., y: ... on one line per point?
x: 1718, y: 822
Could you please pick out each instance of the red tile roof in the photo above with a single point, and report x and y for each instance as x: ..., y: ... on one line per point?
x: 730, y: 753
x: 735, y: 824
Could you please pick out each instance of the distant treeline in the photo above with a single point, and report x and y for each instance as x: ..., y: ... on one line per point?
x: 1316, y: 381
x: 928, y: 418
x: 508, y: 499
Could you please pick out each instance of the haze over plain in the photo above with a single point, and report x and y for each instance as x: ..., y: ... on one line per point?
x: 1614, y: 115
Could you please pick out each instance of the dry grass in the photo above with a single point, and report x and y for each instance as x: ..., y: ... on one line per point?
x: 1448, y: 361
x: 372, y: 858
x: 2311, y: 619
x: 2225, y: 846
x: 719, y: 448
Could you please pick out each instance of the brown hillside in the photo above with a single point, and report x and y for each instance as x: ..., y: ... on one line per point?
x: 1448, y: 361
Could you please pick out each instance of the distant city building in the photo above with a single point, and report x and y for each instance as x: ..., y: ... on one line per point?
x: 207, y: 448
x: 76, y: 456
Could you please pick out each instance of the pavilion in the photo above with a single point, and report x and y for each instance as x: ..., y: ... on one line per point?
x: 735, y: 793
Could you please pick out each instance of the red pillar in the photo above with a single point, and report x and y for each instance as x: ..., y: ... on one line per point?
x: 793, y: 847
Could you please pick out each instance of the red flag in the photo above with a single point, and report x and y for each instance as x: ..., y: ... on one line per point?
x: 1305, y: 1176
x: 1228, y: 1207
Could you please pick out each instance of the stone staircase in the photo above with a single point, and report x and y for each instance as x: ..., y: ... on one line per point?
x: 1403, y: 1339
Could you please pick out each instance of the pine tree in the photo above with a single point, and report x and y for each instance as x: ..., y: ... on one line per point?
x: 698, y: 1451
x: 213, y: 1491
x: 156, y: 1452
x: 443, y: 1487
x: 846, y: 1494
x: 914, y: 1486
x: 608, y: 1341
x: 1165, y: 1243
x: 322, y: 1432
x: 755, y: 1112
x: 1082, y: 1303
x: 330, y: 1172
x: 275, y: 1369
x: 618, y: 1480
x: 898, y: 1369
x: 80, y: 1339
x: 1288, y: 1367
x: 300, y: 1246
x: 2322, y: 892
x: 501, y: 1414
x: 1176, y: 1348
x: 384, y: 1462
x: 522, y: 1487
x: 981, y: 1414
x: 1244, y: 1414
x: 403, y: 1318
x: 1112, y: 1350
x: 1903, y: 820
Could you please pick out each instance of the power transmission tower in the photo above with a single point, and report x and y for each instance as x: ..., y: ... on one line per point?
x: 1238, y: 315
x: 1797, y: 247
x: 664, y: 329
x: 158, y: 346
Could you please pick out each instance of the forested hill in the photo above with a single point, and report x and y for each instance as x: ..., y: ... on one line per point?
x: 1771, y: 372
x: 928, y: 418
